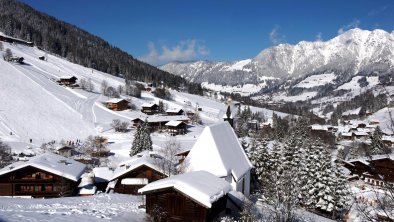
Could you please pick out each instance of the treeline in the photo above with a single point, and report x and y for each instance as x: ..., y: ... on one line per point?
x: 21, y: 21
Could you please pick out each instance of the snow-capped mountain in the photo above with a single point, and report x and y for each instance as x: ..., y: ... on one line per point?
x: 353, y: 52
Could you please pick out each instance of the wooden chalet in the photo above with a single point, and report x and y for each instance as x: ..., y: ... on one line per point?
x: 132, y: 175
x: 15, y: 40
x: 67, y: 151
x: 137, y: 121
x: 194, y: 196
x: 218, y: 151
x: 67, y: 80
x: 175, y: 127
x: 47, y: 175
x: 101, y: 177
x: 175, y: 111
x: 150, y: 108
x: 377, y: 170
x: 117, y: 104
x: 157, y: 123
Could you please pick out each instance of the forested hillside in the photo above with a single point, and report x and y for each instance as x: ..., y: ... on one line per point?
x: 21, y: 21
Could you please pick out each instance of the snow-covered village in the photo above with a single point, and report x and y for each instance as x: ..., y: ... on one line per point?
x: 142, y: 128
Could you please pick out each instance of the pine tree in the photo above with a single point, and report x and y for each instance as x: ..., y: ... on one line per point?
x: 136, y: 146
x: 146, y: 141
x: 377, y: 145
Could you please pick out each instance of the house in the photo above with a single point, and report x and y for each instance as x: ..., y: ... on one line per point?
x: 253, y: 124
x: 158, y: 122
x: 135, y: 173
x: 46, y: 175
x: 347, y: 136
x: 150, y: 108
x: 117, y: 104
x: 67, y: 151
x: 361, y: 135
x: 101, y: 177
x: 218, y: 151
x: 15, y: 40
x: 67, y: 80
x: 41, y: 58
x: 388, y: 140
x: 175, y: 127
x: 175, y: 111
x: 377, y: 170
x: 137, y: 121
x: 193, y: 196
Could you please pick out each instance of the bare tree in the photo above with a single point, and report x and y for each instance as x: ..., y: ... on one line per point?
x: 120, y: 89
x: 119, y: 126
x: 1, y: 46
x: 104, y: 87
x: 83, y: 84
x: 5, y: 154
x: 7, y: 55
x: 169, y: 161
x: 89, y: 85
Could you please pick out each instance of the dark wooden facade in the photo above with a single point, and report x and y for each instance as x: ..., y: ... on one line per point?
x: 118, y: 106
x: 151, y: 109
x: 175, y: 112
x: 179, y: 207
x: 67, y: 81
x: 177, y: 130
x: 17, y: 41
x: 31, y: 181
x: 377, y: 172
x: 140, y: 172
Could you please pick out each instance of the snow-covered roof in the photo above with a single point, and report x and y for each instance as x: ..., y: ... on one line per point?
x: 219, y: 152
x: 346, y: 134
x: 51, y: 163
x: 320, y: 127
x: 352, y: 112
x: 174, y: 110
x: 133, y: 164
x: 174, y: 123
x: 203, y: 187
x: 102, y: 174
x: 148, y: 105
x: 115, y: 100
x: 67, y: 77
x: 388, y: 138
x: 155, y: 119
x: 358, y: 133
x: 134, y: 181
x: 88, y: 190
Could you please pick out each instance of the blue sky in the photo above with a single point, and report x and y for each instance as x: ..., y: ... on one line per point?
x: 162, y: 31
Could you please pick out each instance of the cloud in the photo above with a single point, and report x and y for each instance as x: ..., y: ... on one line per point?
x: 353, y: 24
x: 377, y: 11
x: 319, y: 37
x: 275, y: 36
x: 183, y: 51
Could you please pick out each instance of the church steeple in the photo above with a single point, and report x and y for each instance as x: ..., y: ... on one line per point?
x: 228, y: 116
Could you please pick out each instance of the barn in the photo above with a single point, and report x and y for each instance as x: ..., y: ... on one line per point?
x: 117, y: 104
x: 46, y: 175
x: 67, y: 80
x: 135, y: 173
x: 175, y: 127
x: 193, y: 196
x: 150, y: 108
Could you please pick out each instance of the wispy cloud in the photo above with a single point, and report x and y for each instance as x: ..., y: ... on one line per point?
x: 378, y: 11
x: 183, y: 51
x: 319, y: 37
x: 353, y: 24
x: 275, y: 36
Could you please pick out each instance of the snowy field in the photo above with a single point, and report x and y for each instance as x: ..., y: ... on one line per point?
x: 103, y: 207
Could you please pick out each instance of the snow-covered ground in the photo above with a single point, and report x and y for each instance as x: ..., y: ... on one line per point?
x: 102, y: 207
x: 316, y: 80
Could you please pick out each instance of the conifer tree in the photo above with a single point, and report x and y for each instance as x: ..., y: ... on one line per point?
x: 377, y: 145
x: 146, y: 141
x: 136, y: 146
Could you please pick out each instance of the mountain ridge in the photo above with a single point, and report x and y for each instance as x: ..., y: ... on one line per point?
x: 353, y: 52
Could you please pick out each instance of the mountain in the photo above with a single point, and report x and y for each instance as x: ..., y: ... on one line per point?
x: 78, y: 46
x: 355, y: 52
